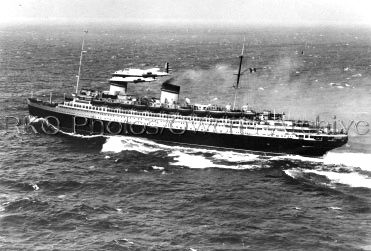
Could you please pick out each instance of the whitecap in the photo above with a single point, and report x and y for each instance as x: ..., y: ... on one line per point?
x: 294, y: 173
x: 357, y: 75
x: 338, y: 85
x: 202, y: 162
x: 361, y: 160
x: 124, y: 240
x: 349, y: 159
x: 33, y: 119
x: 158, y: 167
x: 35, y: 187
x: 335, y: 208
x: 299, y: 157
x: 235, y: 157
x: 76, y: 135
x: 191, y: 161
x: 352, y: 179
x: 118, y: 144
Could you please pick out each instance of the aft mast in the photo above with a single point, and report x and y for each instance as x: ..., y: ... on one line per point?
x: 82, y: 52
x: 238, y: 76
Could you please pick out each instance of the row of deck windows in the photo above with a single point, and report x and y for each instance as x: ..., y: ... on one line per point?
x: 301, y: 136
x: 236, y: 124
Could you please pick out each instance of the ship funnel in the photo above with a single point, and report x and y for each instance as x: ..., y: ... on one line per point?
x: 118, y: 86
x: 169, y: 93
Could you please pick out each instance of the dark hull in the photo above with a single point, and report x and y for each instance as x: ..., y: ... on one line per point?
x: 87, y: 126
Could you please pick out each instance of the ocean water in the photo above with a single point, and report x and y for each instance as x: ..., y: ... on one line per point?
x: 123, y: 193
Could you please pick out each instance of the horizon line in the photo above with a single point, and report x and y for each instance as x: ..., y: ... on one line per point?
x: 174, y: 22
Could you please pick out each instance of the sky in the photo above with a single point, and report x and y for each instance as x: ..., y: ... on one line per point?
x: 254, y: 12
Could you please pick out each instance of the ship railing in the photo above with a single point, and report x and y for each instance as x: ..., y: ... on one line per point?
x: 177, y: 108
x: 248, y: 124
x: 224, y: 123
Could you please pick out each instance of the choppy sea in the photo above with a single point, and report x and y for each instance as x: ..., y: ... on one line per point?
x: 123, y: 193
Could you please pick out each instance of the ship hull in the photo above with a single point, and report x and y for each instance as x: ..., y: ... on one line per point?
x: 88, y: 126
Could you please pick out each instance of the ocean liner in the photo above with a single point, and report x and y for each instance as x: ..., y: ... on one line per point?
x: 164, y: 118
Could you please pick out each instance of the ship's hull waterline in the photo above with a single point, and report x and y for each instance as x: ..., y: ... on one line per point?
x: 82, y: 125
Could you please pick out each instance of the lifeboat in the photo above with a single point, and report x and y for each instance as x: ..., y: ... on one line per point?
x: 249, y: 114
x: 185, y: 110
x: 156, y: 109
x: 234, y: 113
x: 216, y: 113
x: 201, y: 113
x: 170, y: 109
x: 98, y: 102
x: 112, y: 104
x: 126, y: 106
x: 140, y: 107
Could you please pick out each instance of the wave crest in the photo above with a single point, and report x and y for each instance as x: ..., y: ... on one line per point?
x: 190, y: 157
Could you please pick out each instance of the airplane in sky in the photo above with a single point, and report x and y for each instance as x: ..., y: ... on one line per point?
x: 130, y: 79
x: 147, y: 73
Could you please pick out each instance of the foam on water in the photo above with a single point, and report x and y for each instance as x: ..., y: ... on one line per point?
x: 294, y: 173
x: 158, y: 167
x: 191, y: 157
x: 36, y: 119
x: 4, y: 199
x: 35, y: 187
x: 352, y: 179
x: 191, y: 161
x: 235, y: 156
x: 80, y: 135
x: 361, y: 160
x: 338, y: 167
x: 298, y: 157
x: 183, y: 155
x: 205, y: 158
x: 202, y: 162
x: 118, y: 144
